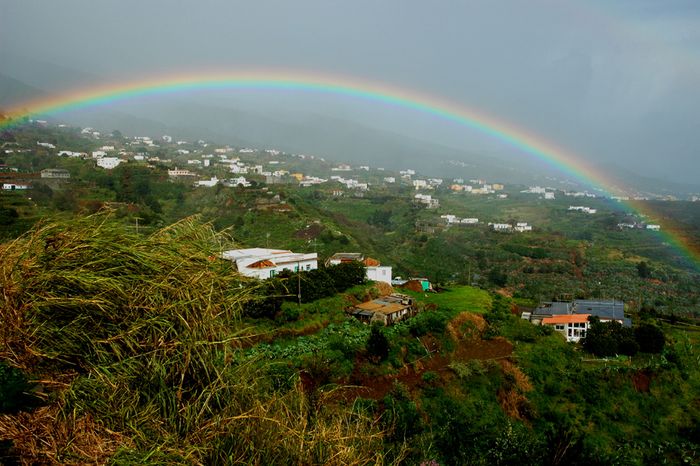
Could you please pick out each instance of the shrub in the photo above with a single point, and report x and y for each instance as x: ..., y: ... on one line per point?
x: 650, y: 338
x: 428, y: 322
x: 430, y: 377
x: 377, y: 343
x: 289, y: 312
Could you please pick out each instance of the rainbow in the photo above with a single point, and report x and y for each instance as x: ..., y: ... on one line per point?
x: 281, y: 80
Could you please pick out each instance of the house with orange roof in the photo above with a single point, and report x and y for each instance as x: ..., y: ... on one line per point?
x: 265, y: 263
x: 572, y: 326
x: 375, y: 270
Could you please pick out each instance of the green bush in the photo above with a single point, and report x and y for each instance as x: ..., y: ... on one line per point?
x: 428, y: 322
x: 650, y: 338
x: 377, y: 343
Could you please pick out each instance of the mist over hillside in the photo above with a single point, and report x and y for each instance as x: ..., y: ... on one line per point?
x: 301, y: 130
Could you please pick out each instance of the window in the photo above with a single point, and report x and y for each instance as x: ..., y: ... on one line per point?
x: 272, y: 273
x: 559, y: 327
x: 569, y: 331
x: 296, y: 268
x: 308, y: 266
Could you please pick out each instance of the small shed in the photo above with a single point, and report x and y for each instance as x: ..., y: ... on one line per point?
x: 388, y: 309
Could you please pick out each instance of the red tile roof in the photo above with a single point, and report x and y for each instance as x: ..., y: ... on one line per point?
x: 566, y: 319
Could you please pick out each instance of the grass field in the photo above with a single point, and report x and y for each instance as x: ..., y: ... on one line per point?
x: 458, y: 298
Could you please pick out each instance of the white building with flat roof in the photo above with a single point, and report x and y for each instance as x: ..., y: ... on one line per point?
x: 263, y: 263
x: 108, y: 163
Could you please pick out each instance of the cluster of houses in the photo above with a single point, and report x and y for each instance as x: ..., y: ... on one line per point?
x: 481, y: 187
x: 547, y: 193
x: 639, y: 226
x: 14, y: 181
x: 264, y: 263
x: 584, y: 209
x: 519, y: 227
x: 427, y: 200
x: 454, y: 220
x: 571, y: 318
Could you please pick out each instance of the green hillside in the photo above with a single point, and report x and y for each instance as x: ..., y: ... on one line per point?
x: 125, y: 339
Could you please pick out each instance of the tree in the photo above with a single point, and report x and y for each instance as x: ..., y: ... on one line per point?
x: 498, y: 277
x: 643, y: 269
x: 377, y: 343
x: 601, y: 338
x: 609, y: 339
x: 8, y: 216
x: 650, y: 338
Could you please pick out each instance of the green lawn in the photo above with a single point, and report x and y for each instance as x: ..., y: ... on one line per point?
x: 458, y: 298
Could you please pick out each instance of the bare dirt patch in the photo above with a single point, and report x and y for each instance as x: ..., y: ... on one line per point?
x: 310, y: 232
x: 465, y: 330
x: 641, y: 381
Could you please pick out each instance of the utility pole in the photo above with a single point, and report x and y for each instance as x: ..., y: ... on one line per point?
x: 299, y: 284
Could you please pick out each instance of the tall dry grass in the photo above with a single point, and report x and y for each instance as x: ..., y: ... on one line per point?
x: 134, y: 341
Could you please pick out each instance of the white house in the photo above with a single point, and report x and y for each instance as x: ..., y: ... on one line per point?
x: 240, y: 181
x: 108, y: 163
x: 13, y: 186
x: 70, y: 153
x: 427, y: 200
x: 523, y: 226
x: 653, y: 227
x: 572, y: 326
x: 213, y: 181
x: 265, y: 263
x: 56, y: 173
x: 584, y: 209
x: 375, y: 271
x: 501, y: 226
x: 180, y: 172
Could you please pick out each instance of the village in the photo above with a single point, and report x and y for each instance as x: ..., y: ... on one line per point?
x: 202, y: 165
x: 570, y: 319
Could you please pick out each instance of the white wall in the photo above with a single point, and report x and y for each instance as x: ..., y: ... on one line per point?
x: 379, y: 274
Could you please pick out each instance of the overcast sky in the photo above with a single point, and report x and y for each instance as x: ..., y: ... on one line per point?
x: 610, y: 80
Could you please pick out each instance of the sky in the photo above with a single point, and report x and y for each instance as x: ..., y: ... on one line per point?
x: 614, y: 81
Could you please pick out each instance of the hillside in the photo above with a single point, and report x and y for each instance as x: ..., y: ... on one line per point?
x: 141, y: 349
x: 126, y: 339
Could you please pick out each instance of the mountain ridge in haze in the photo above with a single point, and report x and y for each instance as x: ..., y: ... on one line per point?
x: 326, y: 136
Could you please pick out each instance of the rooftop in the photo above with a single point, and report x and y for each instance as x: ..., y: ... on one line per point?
x: 566, y: 319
